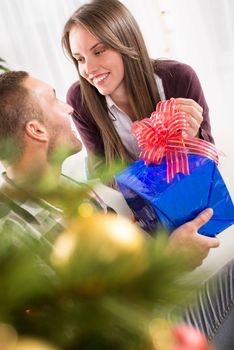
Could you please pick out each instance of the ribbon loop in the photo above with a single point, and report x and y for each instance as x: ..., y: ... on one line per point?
x: 164, y: 134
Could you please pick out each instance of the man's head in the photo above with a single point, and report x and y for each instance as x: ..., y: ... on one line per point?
x: 32, y: 116
x: 16, y: 108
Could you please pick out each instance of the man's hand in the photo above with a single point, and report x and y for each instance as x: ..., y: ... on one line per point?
x: 187, y: 239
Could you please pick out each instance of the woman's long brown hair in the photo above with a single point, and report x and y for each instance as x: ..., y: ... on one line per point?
x: 112, y: 23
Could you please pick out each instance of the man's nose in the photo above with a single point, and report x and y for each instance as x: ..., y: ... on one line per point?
x: 69, y: 109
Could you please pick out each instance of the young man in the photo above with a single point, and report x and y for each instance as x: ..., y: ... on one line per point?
x: 34, y: 124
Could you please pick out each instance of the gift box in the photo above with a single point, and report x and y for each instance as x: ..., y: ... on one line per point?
x: 173, y: 203
x: 171, y: 185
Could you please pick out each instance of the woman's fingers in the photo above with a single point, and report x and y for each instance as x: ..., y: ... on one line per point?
x: 188, y: 102
x: 193, y: 126
x: 194, y: 111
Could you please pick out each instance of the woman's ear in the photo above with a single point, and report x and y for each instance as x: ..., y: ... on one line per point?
x: 36, y: 130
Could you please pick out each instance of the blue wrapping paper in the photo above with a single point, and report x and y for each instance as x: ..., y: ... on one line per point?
x: 153, y: 200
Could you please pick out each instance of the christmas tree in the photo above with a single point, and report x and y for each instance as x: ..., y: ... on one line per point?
x: 104, y: 284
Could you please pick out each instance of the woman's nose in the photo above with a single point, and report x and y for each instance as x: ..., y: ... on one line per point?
x: 90, y: 67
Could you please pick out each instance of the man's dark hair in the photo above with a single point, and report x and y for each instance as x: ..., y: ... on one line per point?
x: 17, y: 106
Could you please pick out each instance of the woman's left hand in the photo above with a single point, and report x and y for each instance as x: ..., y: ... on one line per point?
x: 194, y: 110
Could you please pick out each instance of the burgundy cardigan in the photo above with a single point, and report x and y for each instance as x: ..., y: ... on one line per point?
x: 178, y: 79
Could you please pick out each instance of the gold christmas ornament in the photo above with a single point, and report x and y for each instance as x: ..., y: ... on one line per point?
x: 9, y: 341
x: 161, y: 335
x: 102, y: 251
x: 110, y: 233
x: 32, y: 344
x: 8, y: 337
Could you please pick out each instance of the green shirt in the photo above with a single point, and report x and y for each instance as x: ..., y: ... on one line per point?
x: 26, y: 220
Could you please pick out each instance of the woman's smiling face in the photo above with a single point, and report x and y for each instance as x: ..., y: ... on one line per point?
x: 100, y: 65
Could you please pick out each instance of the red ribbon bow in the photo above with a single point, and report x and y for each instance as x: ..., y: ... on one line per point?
x: 165, y: 134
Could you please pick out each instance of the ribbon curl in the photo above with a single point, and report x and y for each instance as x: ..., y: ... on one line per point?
x: 164, y: 134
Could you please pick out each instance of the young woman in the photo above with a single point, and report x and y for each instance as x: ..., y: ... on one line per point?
x: 119, y: 83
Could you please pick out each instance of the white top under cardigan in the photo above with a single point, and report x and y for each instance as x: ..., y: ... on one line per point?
x: 123, y: 123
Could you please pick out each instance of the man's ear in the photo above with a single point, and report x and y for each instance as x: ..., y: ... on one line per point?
x: 36, y: 130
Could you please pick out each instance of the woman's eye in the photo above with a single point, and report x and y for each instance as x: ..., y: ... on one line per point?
x: 99, y: 52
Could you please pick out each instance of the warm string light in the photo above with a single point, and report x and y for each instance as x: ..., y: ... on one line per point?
x: 85, y: 210
x: 167, y: 29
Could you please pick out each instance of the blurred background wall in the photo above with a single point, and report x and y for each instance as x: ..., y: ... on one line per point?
x: 196, y: 32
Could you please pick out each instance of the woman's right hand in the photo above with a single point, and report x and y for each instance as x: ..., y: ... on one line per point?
x: 194, y: 111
